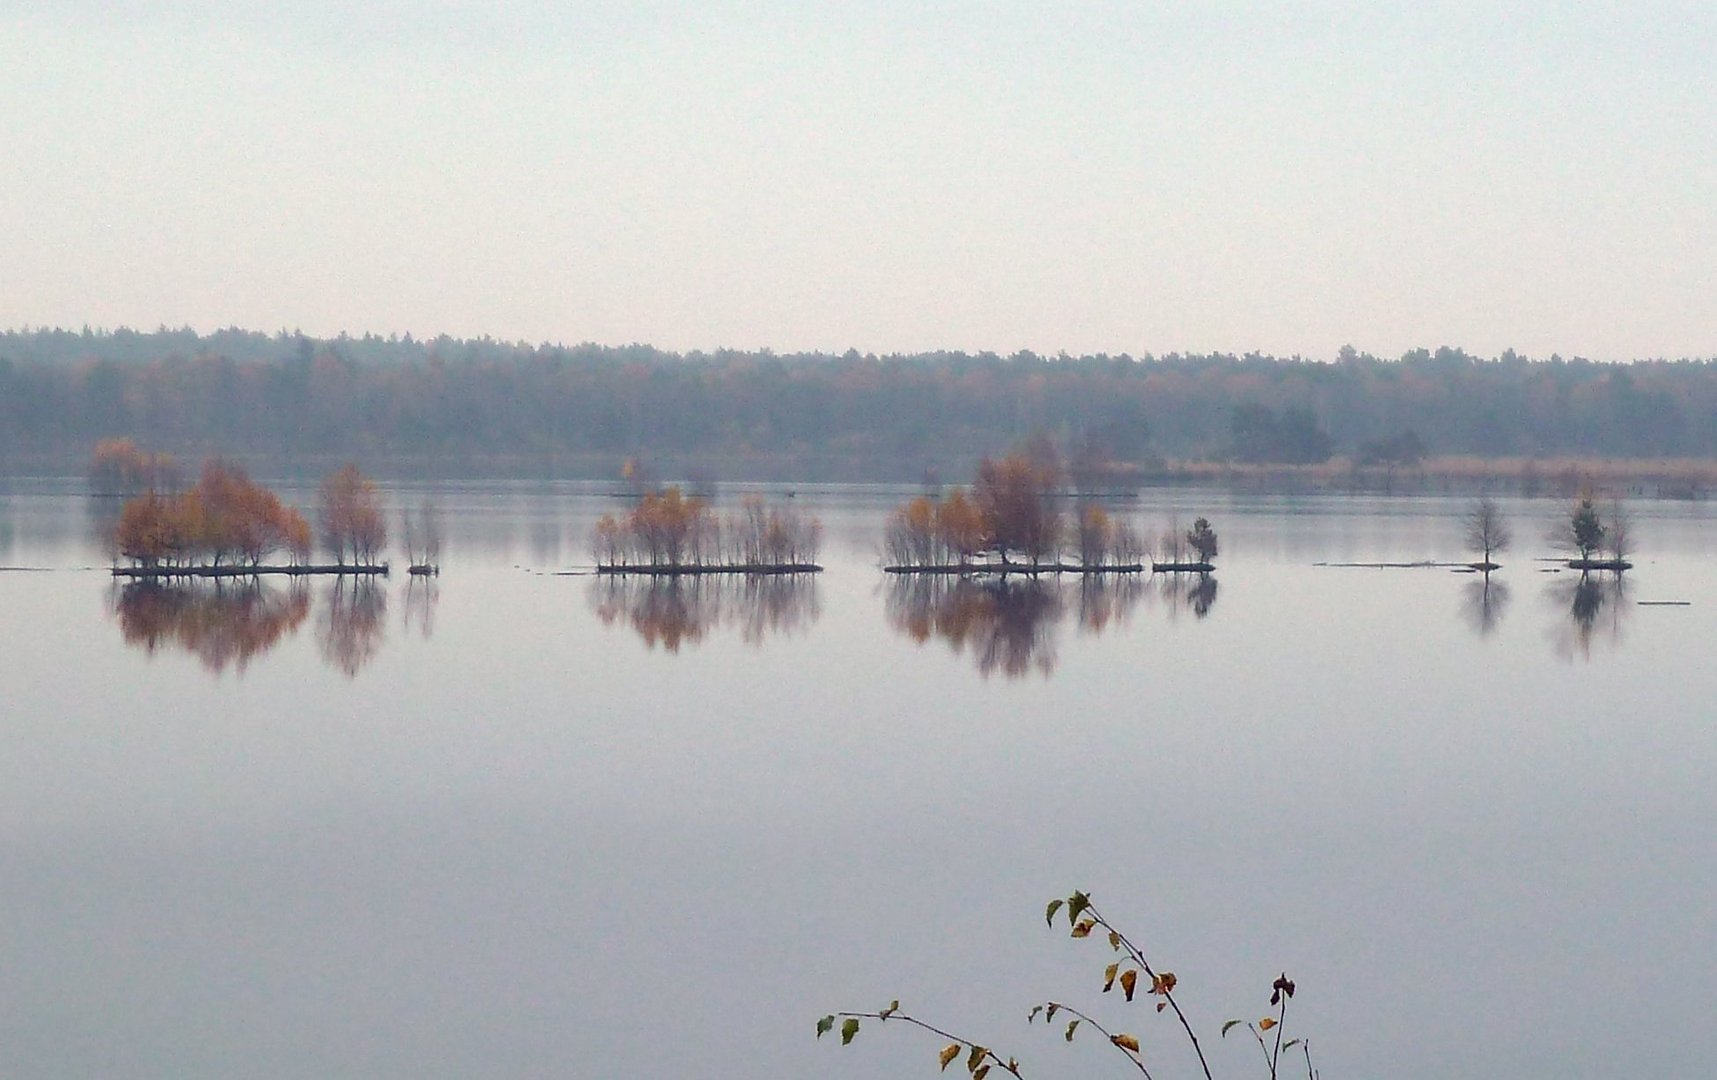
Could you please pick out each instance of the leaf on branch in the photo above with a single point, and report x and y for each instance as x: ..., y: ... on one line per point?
x: 976, y: 1057
x: 1070, y: 1027
x: 1267, y: 1023
x: 1083, y: 928
x: 893, y: 1007
x: 1035, y: 1009
x: 1115, y: 940
x: 848, y: 1030
x: 1049, y: 913
x: 1163, y: 982
x: 982, y: 1072
x: 1109, y: 977
x: 1125, y: 1042
x: 1227, y: 1024
x: 1076, y: 905
x: 1129, y: 979
x: 1050, y: 1015
x: 1290, y: 1044
x: 949, y: 1053
x: 824, y: 1025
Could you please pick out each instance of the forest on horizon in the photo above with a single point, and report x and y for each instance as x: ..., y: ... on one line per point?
x: 292, y: 397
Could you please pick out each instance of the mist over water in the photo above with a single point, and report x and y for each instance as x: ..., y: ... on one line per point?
x: 504, y: 822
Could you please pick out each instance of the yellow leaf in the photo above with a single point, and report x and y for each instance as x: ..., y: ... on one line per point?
x: 975, y: 1058
x: 1115, y: 940
x: 981, y: 1073
x: 1129, y: 979
x: 1163, y: 983
x: 1266, y: 1024
x: 1083, y: 928
x: 1109, y: 977
x: 1125, y: 1042
x: 949, y: 1053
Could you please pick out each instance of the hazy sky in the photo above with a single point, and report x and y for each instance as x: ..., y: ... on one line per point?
x: 890, y: 176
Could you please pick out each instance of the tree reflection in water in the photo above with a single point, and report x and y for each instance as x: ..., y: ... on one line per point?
x: 673, y: 611
x: 1595, y: 606
x: 1178, y: 592
x: 1108, y: 598
x: 1009, y: 623
x: 221, y: 623
x: 422, y: 594
x: 1483, y: 604
x: 353, y: 624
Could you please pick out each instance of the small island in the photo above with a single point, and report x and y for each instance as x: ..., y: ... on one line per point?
x: 1011, y: 521
x: 226, y: 525
x: 670, y: 534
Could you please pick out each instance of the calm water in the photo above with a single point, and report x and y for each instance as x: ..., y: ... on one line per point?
x: 511, y: 823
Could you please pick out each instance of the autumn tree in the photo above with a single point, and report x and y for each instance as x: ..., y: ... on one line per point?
x: 1017, y: 497
x: 1095, y: 534
x: 225, y: 517
x: 910, y: 536
x: 351, y: 518
x: 761, y: 535
x: 960, y: 525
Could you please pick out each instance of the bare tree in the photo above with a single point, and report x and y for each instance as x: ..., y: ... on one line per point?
x: 1487, y: 533
x: 1618, y: 538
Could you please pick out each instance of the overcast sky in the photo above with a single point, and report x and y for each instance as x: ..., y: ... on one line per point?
x: 891, y: 176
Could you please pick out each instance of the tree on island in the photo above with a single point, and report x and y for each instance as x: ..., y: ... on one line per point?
x: 1016, y: 496
x: 1202, y: 539
x: 224, y: 518
x: 1584, y: 531
x: 351, y: 517
x: 1486, y: 531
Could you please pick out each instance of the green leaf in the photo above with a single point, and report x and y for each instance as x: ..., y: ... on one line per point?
x: 893, y: 1007
x: 1228, y: 1024
x: 1035, y: 1009
x: 849, y: 1029
x: 1049, y: 913
x: 1070, y: 1027
x: 1290, y: 1044
x: 1050, y: 1015
x: 1076, y: 905
x: 824, y: 1025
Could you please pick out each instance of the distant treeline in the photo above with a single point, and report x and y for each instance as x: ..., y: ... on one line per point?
x: 293, y: 396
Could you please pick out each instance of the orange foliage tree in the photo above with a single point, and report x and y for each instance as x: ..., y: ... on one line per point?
x: 670, y: 529
x: 224, y: 517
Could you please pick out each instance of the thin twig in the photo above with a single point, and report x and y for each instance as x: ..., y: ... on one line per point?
x: 1281, y: 1018
x: 1007, y: 1065
x: 1107, y: 1034
x: 1139, y: 958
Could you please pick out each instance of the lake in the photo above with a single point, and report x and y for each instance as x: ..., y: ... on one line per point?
x: 512, y: 823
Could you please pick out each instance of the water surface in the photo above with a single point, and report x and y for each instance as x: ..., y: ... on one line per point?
x: 506, y: 822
